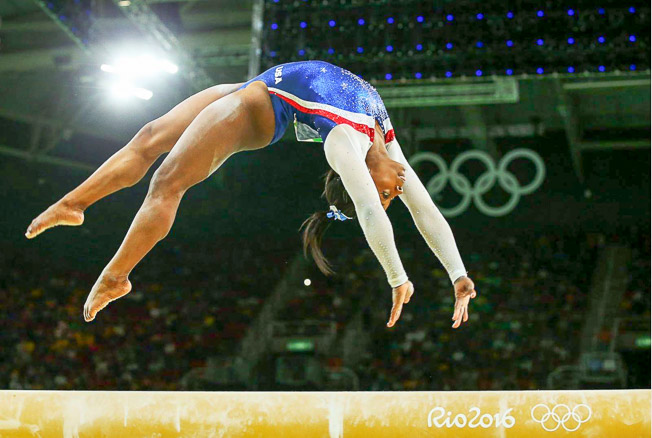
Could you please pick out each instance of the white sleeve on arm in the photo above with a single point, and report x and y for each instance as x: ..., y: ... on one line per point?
x: 343, y: 152
x: 431, y: 223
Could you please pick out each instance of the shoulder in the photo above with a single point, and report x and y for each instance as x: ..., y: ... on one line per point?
x: 345, y: 138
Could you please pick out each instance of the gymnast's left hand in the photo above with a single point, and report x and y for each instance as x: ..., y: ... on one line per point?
x: 400, y: 295
x: 464, y: 291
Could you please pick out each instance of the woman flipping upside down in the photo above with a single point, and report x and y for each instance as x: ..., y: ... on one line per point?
x: 327, y: 103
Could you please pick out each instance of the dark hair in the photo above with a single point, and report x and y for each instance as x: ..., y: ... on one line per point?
x: 316, y: 225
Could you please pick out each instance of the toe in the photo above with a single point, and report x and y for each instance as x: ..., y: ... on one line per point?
x: 30, y: 231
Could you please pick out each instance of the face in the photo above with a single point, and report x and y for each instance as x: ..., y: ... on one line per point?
x: 389, y: 177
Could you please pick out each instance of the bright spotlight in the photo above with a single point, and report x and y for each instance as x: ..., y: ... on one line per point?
x: 120, y: 90
x: 124, y: 3
x: 169, y: 67
x: 142, y: 93
x: 108, y: 68
x: 123, y: 90
x: 307, y: 282
x: 145, y: 65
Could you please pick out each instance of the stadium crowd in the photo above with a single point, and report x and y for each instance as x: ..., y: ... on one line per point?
x: 187, y: 304
x: 525, y: 321
x: 192, y: 303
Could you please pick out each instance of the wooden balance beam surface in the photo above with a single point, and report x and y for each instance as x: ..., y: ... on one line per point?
x: 531, y: 414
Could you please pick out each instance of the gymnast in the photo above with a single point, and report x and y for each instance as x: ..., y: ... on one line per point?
x: 327, y: 104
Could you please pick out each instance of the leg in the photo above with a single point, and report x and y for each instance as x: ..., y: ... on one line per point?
x: 241, y: 121
x: 128, y: 166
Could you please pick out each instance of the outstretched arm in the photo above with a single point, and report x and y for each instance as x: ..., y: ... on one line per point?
x: 343, y: 152
x: 437, y: 234
x: 431, y: 223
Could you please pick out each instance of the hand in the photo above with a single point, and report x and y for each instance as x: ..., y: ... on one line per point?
x: 400, y: 295
x: 464, y: 291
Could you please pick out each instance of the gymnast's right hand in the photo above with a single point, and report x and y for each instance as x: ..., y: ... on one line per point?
x: 400, y: 295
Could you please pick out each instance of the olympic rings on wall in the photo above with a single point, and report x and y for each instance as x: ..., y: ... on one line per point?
x: 485, y: 182
x: 559, y: 415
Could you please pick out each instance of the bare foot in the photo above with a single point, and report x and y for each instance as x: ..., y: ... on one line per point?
x: 60, y: 213
x: 107, y: 288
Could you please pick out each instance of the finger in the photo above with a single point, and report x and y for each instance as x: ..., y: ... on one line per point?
x: 455, y: 311
x: 457, y: 323
x: 466, y: 314
x: 395, y: 314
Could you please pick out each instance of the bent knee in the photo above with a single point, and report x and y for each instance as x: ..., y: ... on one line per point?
x: 166, y: 182
x: 150, y: 141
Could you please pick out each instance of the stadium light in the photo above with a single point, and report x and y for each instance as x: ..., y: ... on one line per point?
x: 140, y: 66
x: 124, y: 89
x: 124, y: 3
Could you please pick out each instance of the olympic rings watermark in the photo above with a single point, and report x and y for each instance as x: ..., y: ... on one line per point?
x: 559, y: 415
x: 485, y: 181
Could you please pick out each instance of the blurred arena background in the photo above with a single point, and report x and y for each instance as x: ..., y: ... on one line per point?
x: 227, y: 300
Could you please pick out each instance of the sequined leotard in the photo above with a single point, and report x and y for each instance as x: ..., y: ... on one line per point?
x: 318, y: 96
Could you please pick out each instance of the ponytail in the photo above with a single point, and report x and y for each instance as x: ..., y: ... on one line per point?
x: 316, y: 225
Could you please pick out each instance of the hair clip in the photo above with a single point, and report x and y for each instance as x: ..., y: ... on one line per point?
x: 337, y: 215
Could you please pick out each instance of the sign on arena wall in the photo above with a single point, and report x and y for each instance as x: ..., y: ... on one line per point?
x: 530, y: 414
x: 495, y: 173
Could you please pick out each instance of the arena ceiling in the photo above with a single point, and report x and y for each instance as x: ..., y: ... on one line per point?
x: 48, y: 78
x: 53, y: 84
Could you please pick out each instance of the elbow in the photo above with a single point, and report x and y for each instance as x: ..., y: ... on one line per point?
x: 368, y: 212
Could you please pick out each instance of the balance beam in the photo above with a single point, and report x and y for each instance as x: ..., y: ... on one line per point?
x: 531, y: 414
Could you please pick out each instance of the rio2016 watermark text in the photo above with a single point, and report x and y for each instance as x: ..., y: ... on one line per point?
x: 439, y: 417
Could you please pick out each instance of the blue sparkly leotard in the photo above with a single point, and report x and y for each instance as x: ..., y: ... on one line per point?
x: 318, y: 96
